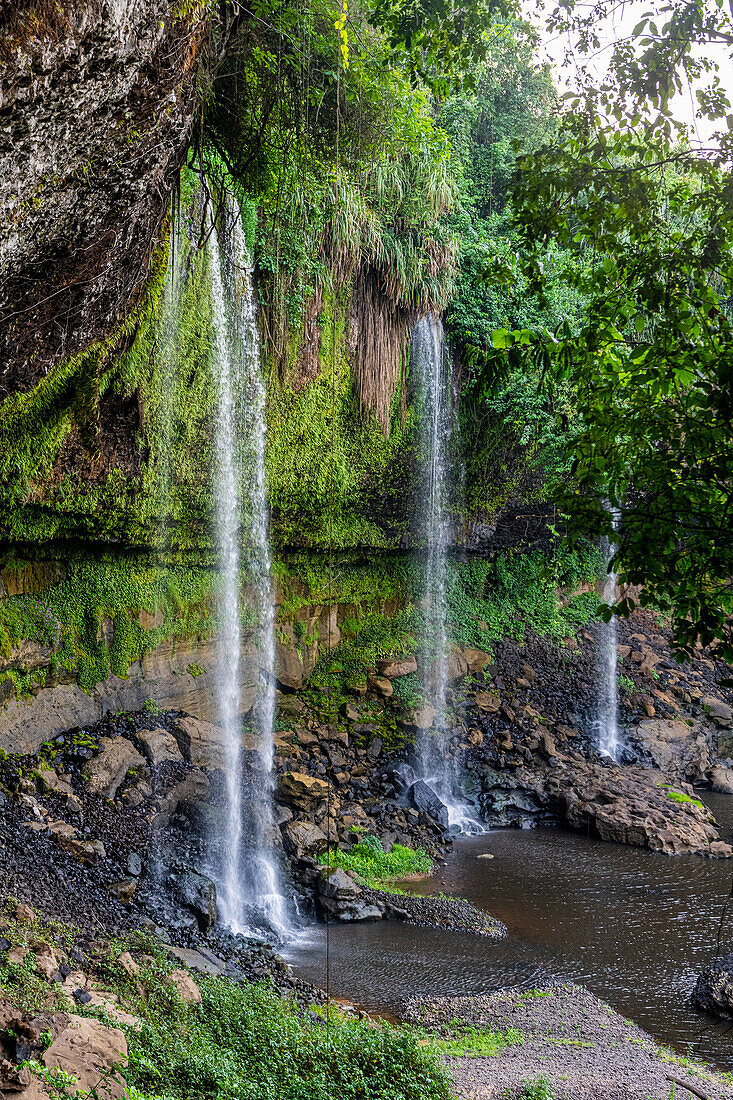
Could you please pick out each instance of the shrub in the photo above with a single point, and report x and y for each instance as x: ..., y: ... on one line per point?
x: 375, y: 866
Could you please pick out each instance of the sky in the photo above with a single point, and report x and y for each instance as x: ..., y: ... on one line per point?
x: 620, y: 24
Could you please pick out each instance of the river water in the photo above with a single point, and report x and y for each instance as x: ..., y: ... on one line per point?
x: 632, y: 926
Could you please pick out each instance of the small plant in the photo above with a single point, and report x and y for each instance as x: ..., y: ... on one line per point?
x: 626, y: 683
x: 151, y: 707
x: 473, y: 1042
x: 537, y: 1088
x: 679, y: 796
x: 195, y: 670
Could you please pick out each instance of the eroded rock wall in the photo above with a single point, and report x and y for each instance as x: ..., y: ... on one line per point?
x: 96, y: 106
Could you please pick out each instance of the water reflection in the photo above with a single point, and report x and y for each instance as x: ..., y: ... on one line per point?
x: 634, y: 927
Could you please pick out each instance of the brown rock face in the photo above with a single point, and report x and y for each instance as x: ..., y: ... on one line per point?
x: 301, y: 790
x: 628, y: 806
x: 678, y: 748
x: 90, y: 1050
x: 98, y: 101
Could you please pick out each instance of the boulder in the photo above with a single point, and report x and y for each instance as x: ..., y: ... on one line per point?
x: 185, y: 987
x: 476, y: 660
x: 719, y: 711
x: 107, y: 771
x: 457, y: 666
x: 294, y: 662
x: 402, y: 776
x: 89, y: 1050
x: 50, y: 782
x: 197, y: 893
x: 159, y: 746
x: 425, y: 799
x: 203, y: 743
x: 381, y: 686
x: 193, y: 790
x: 123, y: 890
x: 302, y: 838
x: 487, y: 702
x: 714, y: 989
x: 721, y: 779
x: 301, y: 790
x: 341, y: 898
x: 421, y: 718
x: 393, y: 668
x: 677, y: 747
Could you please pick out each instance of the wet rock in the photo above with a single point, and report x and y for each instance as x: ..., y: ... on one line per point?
x: 421, y: 718
x: 134, y: 865
x: 340, y: 896
x: 714, y: 989
x: 159, y: 746
x: 394, y: 668
x: 303, y: 838
x: 107, y: 771
x: 426, y: 800
x: 197, y: 893
x: 402, y: 776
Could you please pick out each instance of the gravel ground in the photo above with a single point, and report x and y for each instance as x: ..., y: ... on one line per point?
x: 585, y: 1049
x: 455, y: 914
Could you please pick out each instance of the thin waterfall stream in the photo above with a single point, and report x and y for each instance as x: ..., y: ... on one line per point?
x: 609, y: 741
x: 434, y: 765
x: 251, y: 895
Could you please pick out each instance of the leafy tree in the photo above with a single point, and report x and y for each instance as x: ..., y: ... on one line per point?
x: 650, y: 217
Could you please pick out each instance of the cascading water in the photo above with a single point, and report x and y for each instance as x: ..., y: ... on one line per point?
x: 435, y: 767
x: 609, y: 742
x: 251, y: 894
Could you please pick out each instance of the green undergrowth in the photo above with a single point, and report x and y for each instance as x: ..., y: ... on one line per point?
x: 487, y: 599
x: 459, y: 1041
x: 377, y: 868
x: 105, y: 615
x: 244, y: 1041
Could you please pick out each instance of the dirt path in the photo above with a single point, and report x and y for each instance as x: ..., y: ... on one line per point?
x: 583, y: 1049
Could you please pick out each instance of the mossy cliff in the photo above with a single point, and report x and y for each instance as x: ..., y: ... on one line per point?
x: 107, y: 419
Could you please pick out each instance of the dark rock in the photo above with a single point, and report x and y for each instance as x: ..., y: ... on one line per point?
x: 134, y: 865
x: 426, y: 800
x: 82, y: 996
x: 714, y: 989
x: 197, y: 893
x: 402, y: 776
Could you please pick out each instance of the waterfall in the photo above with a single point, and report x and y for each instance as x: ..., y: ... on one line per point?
x: 251, y: 894
x: 434, y: 766
x: 609, y: 743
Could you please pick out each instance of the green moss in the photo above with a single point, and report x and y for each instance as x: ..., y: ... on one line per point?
x: 92, y: 620
x: 679, y: 796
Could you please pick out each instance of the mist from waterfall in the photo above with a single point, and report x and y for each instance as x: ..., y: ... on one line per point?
x: 435, y: 766
x: 609, y: 742
x: 251, y: 896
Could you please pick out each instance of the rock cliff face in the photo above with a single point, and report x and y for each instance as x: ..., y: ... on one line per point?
x: 96, y: 106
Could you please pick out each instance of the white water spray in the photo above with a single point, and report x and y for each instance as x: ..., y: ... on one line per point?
x: 251, y: 893
x: 609, y: 742
x: 432, y: 365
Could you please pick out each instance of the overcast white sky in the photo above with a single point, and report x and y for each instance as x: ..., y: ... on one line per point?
x: 620, y: 25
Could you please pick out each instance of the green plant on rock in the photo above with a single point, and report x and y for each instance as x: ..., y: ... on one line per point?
x: 374, y: 866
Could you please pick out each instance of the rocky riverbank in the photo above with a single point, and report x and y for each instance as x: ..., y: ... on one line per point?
x: 564, y: 1043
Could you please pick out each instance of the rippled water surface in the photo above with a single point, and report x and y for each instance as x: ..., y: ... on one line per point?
x: 634, y: 927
